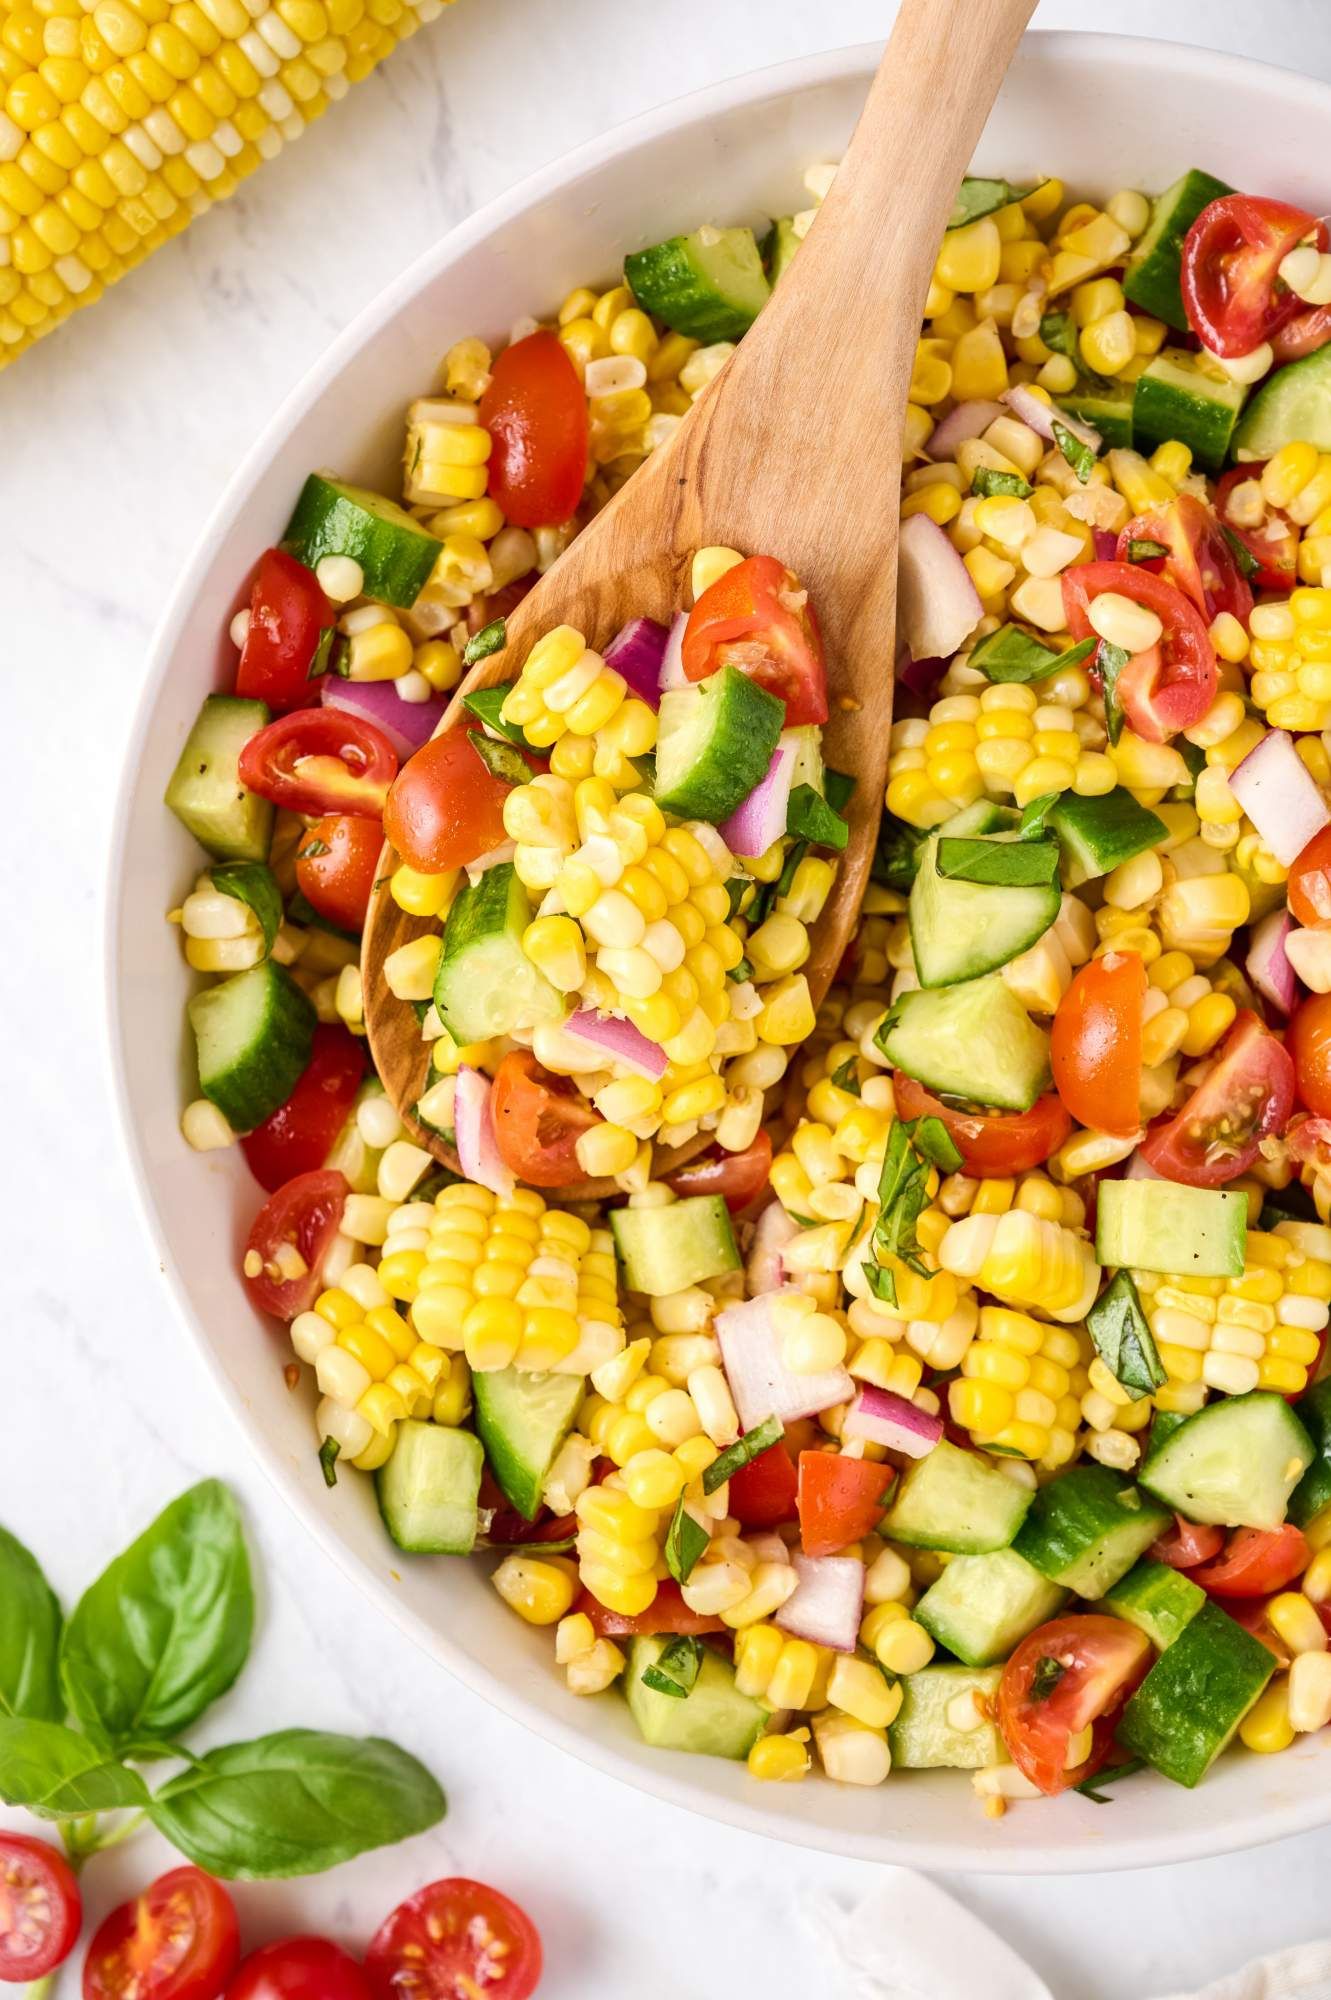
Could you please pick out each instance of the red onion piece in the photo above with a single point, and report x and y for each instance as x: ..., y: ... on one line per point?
x: 886, y: 1418
x: 765, y: 1271
x: 921, y: 676
x: 760, y: 819
x: 826, y: 1605
x: 406, y: 724
x: 619, y: 1039
x: 1041, y: 416
x: 636, y: 653
x: 473, y: 1128
x: 937, y: 604
x: 968, y: 420
x: 672, y: 660
x: 759, y: 1379
x: 1267, y: 964
x: 1277, y: 791
x: 1106, y: 545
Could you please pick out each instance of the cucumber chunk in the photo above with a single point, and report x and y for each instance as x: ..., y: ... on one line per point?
x: 922, y: 1738
x: 953, y: 1499
x: 1096, y: 834
x: 1158, y: 1600
x: 1175, y: 399
x: 1235, y: 1463
x: 1162, y: 1226
x: 1151, y: 279
x: 1313, y: 1491
x: 713, y: 1719
x: 486, y: 984
x: 710, y: 285
x: 1191, y: 1703
x: 428, y: 1489
x: 334, y: 519
x: 666, y: 1250
x: 205, y: 792
x: 975, y: 1040
x: 254, y: 1034
x: 1104, y: 403
x: 522, y: 1420
x: 1087, y: 1527
x: 779, y: 247
x: 714, y: 743
x: 961, y: 930
x: 1291, y: 405
x: 983, y: 1606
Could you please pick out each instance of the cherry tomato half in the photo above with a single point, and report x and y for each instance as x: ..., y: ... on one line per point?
x: 1308, y: 890
x: 667, y: 1612
x: 536, y: 414
x: 1188, y: 1543
x: 40, y: 1907
x: 762, y: 1493
x: 336, y: 865
x: 179, y: 1940
x: 1247, y: 1094
x: 297, y: 1138
x: 1095, y: 1044
x: 1256, y: 1562
x: 446, y: 807
x: 739, y: 1177
x: 1274, y: 545
x: 839, y: 1500
x: 1070, y: 1674
x: 1304, y: 334
x: 305, y: 1213
x: 1171, y: 685
x: 455, y: 1940
x: 300, y: 1968
x: 1200, y: 561
x: 758, y: 617
x: 538, y: 1120
x: 992, y: 1144
x: 321, y: 760
x: 288, y: 611
x: 1230, y: 270
x: 1309, y: 1043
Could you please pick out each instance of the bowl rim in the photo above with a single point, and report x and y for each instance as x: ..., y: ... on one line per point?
x: 1194, y: 67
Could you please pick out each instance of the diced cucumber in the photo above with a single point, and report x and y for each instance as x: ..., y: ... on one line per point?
x: 428, y: 1488
x: 1158, y: 1600
x: 779, y: 247
x: 1234, y: 1463
x: 985, y: 816
x: 953, y: 1499
x: 522, y: 1420
x: 1163, y: 1226
x: 961, y: 930
x: 922, y: 1738
x: 486, y: 984
x: 666, y: 1250
x: 1292, y: 405
x: 1313, y: 1492
x: 395, y: 554
x: 1104, y: 403
x: 1099, y: 833
x: 806, y: 740
x: 713, y: 1719
x: 205, y: 792
x: 714, y: 743
x: 1151, y: 279
x: 1087, y: 1527
x: 709, y: 285
x: 1195, y: 1696
x: 974, y: 1041
x: 349, y: 1155
x: 983, y: 1606
x: 1176, y: 399
x: 254, y: 1033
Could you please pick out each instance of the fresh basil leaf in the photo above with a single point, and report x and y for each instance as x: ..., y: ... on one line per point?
x: 254, y: 884
x: 1144, y: 549
x: 684, y: 1543
x: 881, y: 1282
x: 1013, y: 654
x: 1079, y: 455
x: 1048, y: 1673
x: 301, y: 911
x: 847, y: 1076
x: 1033, y: 817
x: 1089, y: 1787
x: 1007, y: 864
x: 29, y: 1637
x: 735, y: 1456
x: 676, y: 1668
x: 1243, y: 555
x: 809, y: 817
x: 902, y: 1195
x: 485, y: 704
x: 328, y: 1457
x: 491, y: 638
x: 896, y: 857
x: 313, y: 850
x: 295, y: 1803
x: 987, y: 481
x: 645, y: 766
x: 741, y: 970
x: 58, y: 1774
x: 1123, y: 1337
x: 1110, y: 661
x: 736, y: 888
x: 978, y: 197
x: 792, y: 862
x: 1194, y: 757
x: 502, y: 760
x: 932, y: 1138
x: 166, y: 1628
x: 838, y: 789
x: 330, y: 655
x: 558, y: 1547
x: 1059, y: 334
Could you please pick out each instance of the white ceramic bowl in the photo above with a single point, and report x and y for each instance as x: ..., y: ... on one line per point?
x: 1103, y: 112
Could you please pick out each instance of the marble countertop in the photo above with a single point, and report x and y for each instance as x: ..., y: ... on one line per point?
x: 115, y: 438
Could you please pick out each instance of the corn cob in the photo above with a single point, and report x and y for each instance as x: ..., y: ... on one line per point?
x: 1026, y: 1259
x: 1018, y: 1387
x: 372, y: 1368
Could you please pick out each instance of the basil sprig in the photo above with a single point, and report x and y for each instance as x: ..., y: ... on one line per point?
x: 1012, y: 654
x: 1048, y: 1673
x: 1242, y: 554
x: 1123, y: 1337
x: 491, y: 638
x: 486, y: 704
x: 1008, y: 864
x: 809, y: 817
x: 1142, y: 549
x: 684, y: 1543
x: 676, y: 1668
x: 1079, y: 455
x: 254, y: 884
x: 1111, y: 660
x: 987, y: 481
x: 1059, y: 334
x: 502, y: 760
x: 29, y: 1637
x: 978, y: 197
x: 736, y: 1456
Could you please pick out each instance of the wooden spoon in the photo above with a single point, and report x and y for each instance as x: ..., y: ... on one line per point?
x: 794, y: 451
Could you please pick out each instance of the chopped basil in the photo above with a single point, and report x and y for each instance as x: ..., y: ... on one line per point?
x: 684, y: 1543
x: 1145, y: 550
x: 436, y: 1182
x: 838, y: 789
x: 252, y: 883
x: 987, y: 481
x: 328, y: 1454
x: 933, y: 1139
x: 978, y: 197
x: 903, y: 1194
x: 736, y: 1456
x: 1007, y: 864
x: 560, y: 1547
x: 330, y: 655
x: 645, y: 766
x: 676, y: 1668
x: 896, y: 856
x: 847, y: 1077
x: 301, y: 911
x: 743, y: 970
x: 1079, y: 455
x: 502, y: 760
x: 881, y: 1282
x: 1123, y: 1337
x: 1035, y: 814
x: 1048, y: 1673
x: 809, y: 817
x: 1059, y: 334
x: 793, y: 860
x: 1111, y: 661
x: 1013, y: 654
x: 485, y: 704
x: 1194, y: 757
x: 736, y: 888
x: 491, y: 638
x: 1088, y: 1786
x: 1243, y: 555
x: 313, y: 851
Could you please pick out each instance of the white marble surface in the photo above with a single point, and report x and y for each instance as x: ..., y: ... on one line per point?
x: 115, y: 438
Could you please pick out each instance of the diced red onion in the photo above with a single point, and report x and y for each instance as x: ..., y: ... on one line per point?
x: 826, y: 1605
x: 1277, y: 791
x: 888, y: 1419
x: 672, y: 660
x: 473, y: 1128
x: 406, y: 724
x: 619, y: 1039
x: 765, y: 1271
x: 1041, y: 416
x: 937, y: 604
x: 920, y: 676
x: 968, y: 420
x: 1106, y: 545
x: 760, y: 819
x: 1268, y: 965
x: 637, y: 653
x: 759, y: 1379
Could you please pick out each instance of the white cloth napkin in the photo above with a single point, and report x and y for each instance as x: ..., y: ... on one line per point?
x: 908, y: 1940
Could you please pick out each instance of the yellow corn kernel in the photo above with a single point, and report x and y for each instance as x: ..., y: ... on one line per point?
x: 780, y: 1759
x: 539, y: 1591
x: 1266, y: 1727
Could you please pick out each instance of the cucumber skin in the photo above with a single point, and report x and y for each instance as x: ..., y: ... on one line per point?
x: 1098, y: 833
x: 1204, y: 424
x: 1151, y: 280
x: 1076, y: 1515
x: 499, y: 1395
x: 331, y: 519
x: 1313, y: 1491
x: 496, y: 909
x: 1195, y: 1696
x: 1112, y: 417
x: 1263, y: 427
x: 285, y: 1034
x: 735, y: 753
x: 665, y: 280
x: 1158, y: 1600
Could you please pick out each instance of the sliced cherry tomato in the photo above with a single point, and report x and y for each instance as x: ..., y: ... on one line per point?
x: 298, y: 1136
x: 1188, y: 1543
x: 299, y: 1968
x: 40, y: 1907
x: 1171, y: 685
x: 1095, y: 1045
x: 667, y: 1612
x: 336, y: 865
x: 739, y: 1177
x: 1200, y: 561
x: 446, y: 807
x: 455, y: 1940
x: 288, y: 611
x: 1256, y: 1562
x: 321, y: 760
x: 1310, y: 1045
x: 1300, y: 336
x: 1308, y: 890
x: 762, y: 1493
x: 538, y: 1120
x: 758, y: 617
x: 1230, y: 271
x: 536, y: 414
x: 179, y: 1940
x: 839, y: 1500
x: 1247, y: 1094
x: 1070, y: 1674
x: 992, y: 1144
x: 1274, y: 546
x: 304, y: 1213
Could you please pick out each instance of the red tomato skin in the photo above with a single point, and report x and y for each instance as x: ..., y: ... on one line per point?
x: 338, y: 884
x: 1309, y: 1042
x: 1200, y: 562
x: 839, y: 1500
x: 1256, y: 1562
x: 288, y: 611
x: 667, y: 1612
x: 762, y: 1493
x: 1308, y: 890
x: 1172, y: 685
x: 536, y: 414
x: 320, y: 760
x: 996, y: 1144
x: 1303, y: 334
x: 739, y: 1177
x: 299, y: 1968
x: 1276, y: 555
x: 306, y: 1211
x: 444, y: 1930
x: 538, y: 1120
x: 36, y: 1881
x: 1253, y: 1072
x: 1228, y: 271
x: 1106, y: 1658
x: 445, y: 807
x: 745, y: 620
x: 1095, y: 1044
x: 1188, y: 1543
x: 179, y: 1940
x: 297, y: 1137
